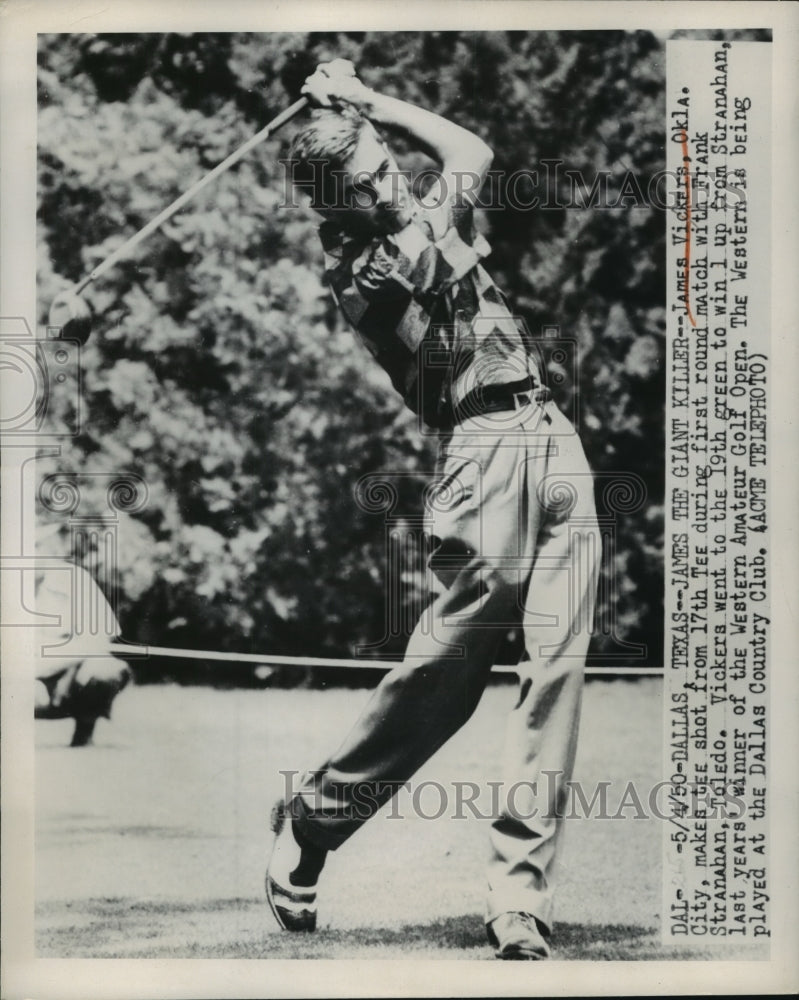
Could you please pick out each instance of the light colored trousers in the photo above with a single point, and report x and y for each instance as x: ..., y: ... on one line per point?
x: 513, y: 520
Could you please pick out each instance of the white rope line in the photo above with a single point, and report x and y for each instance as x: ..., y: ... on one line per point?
x: 271, y: 660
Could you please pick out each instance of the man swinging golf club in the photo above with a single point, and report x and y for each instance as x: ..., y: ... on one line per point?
x: 511, y: 516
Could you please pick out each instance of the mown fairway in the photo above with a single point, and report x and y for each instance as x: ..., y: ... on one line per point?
x: 152, y: 843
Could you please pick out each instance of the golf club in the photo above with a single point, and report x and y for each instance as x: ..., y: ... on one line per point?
x: 71, y: 313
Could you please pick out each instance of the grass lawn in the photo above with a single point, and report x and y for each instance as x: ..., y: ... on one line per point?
x: 152, y: 843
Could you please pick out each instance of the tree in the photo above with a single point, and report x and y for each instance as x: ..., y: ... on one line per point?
x: 220, y: 371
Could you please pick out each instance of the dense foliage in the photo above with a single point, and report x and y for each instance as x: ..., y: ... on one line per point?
x: 221, y: 373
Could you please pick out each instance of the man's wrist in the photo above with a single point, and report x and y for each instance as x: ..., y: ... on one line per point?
x: 360, y: 97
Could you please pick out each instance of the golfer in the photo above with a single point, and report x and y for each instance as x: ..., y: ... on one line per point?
x: 511, y: 519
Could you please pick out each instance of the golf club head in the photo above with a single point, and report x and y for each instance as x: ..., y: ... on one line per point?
x: 72, y: 314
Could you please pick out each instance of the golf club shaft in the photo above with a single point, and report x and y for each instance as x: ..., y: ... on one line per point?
x: 178, y: 203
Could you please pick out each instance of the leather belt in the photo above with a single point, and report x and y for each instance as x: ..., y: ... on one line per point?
x: 499, y: 398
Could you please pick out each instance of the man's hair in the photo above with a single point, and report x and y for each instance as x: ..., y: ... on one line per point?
x: 325, y: 145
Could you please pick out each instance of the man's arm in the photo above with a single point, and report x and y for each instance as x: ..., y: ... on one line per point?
x: 463, y: 156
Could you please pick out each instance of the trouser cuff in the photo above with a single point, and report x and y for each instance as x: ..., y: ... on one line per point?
x: 536, y: 904
x: 320, y: 834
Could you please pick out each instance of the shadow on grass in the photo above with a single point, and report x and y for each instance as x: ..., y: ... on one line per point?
x: 115, y: 927
x: 465, y: 936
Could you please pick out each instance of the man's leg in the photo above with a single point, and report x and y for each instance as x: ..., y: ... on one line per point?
x: 431, y: 694
x: 414, y: 710
x: 422, y: 702
x: 542, y: 729
x: 84, y: 730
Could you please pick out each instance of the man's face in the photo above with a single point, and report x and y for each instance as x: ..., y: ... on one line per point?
x: 375, y: 196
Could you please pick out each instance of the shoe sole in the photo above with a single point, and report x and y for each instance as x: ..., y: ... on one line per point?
x: 521, y: 955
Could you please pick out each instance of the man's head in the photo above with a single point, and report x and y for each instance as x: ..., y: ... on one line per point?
x: 353, y: 177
